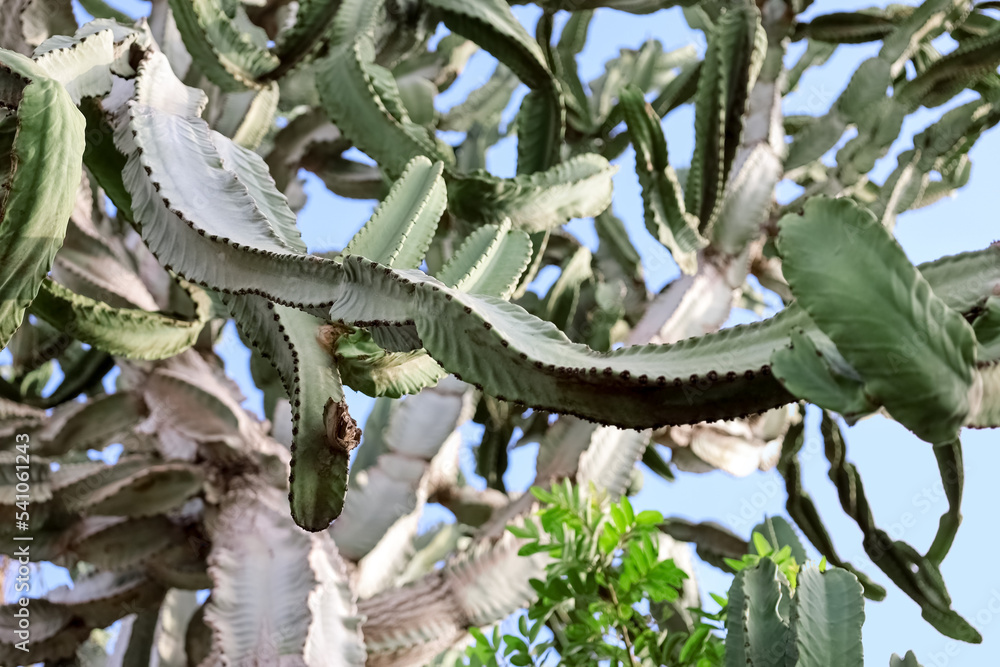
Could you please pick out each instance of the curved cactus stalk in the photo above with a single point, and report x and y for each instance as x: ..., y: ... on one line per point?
x: 132, y: 333
x: 640, y: 374
x: 178, y: 165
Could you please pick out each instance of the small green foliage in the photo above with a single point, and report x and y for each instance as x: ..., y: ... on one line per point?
x: 782, y: 558
x: 604, y: 572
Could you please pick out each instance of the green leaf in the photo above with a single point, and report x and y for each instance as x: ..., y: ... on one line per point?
x: 915, y: 354
x: 648, y: 518
x: 778, y: 532
x: 41, y: 167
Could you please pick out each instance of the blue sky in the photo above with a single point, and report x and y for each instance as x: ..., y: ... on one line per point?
x: 899, y: 472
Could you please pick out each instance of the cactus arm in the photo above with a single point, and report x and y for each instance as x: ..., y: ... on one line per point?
x: 126, y: 332
x: 916, y: 355
x: 221, y: 47
x: 41, y: 174
x: 663, y: 201
x: 828, y: 611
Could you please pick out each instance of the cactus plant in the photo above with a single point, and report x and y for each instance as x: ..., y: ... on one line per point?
x: 150, y: 169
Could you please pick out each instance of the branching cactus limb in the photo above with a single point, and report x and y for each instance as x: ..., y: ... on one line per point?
x: 209, y: 184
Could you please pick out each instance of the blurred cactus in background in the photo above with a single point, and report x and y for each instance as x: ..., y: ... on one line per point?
x: 150, y: 195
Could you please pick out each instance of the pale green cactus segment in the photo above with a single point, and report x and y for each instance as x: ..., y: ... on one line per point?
x: 541, y: 124
x: 735, y: 55
x: 909, y: 660
x: 561, y: 302
x: 491, y: 24
x: 301, y: 354
x: 580, y: 187
x: 662, y: 198
x: 988, y: 414
x: 915, y: 355
x: 923, y: 24
x: 517, y: 357
x: 402, y: 227
x: 765, y: 615
x: 74, y: 66
x: 860, y: 103
x: 124, y: 332
x: 249, y: 116
x: 347, y: 89
x: 755, y: 631
x: 821, y: 377
x: 143, y: 489
x: 366, y: 367
x: 243, y: 193
x: 216, y: 37
x: 849, y: 27
x: 312, y: 282
x: 816, y: 54
x: 114, y: 543
x: 987, y: 328
x: 313, y: 20
x: 92, y: 425
x: 85, y: 62
x: 770, y: 625
x: 41, y: 178
x: 958, y: 70
x: 303, y: 613
x: 67, y: 615
x: 630, y: 6
x: 483, y: 105
x: 489, y: 262
x: 942, y: 147
x: 827, y: 614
